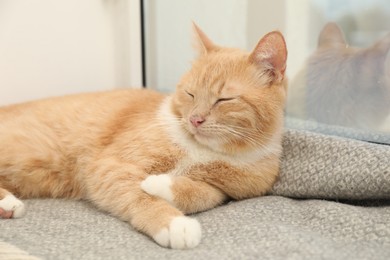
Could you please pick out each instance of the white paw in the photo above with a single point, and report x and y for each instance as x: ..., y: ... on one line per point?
x: 159, y: 185
x: 11, y: 203
x: 183, y: 232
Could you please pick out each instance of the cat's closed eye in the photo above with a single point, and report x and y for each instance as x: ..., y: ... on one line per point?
x: 188, y: 93
x: 220, y: 100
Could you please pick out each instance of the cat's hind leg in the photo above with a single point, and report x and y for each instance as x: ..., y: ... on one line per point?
x: 10, y: 206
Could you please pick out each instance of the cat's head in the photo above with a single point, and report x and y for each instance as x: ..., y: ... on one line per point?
x: 346, y: 85
x: 231, y: 100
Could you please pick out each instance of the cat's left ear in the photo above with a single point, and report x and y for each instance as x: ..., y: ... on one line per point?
x: 202, y: 43
x: 271, y: 54
x: 381, y: 49
x: 382, y: 46
x: 331, y: 36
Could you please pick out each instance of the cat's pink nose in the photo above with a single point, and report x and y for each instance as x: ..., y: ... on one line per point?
x: 196, y: 120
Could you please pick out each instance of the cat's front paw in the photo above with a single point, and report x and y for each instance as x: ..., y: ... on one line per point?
x: 159, y: 185
x: 183, y: 232
x: 11, y: 207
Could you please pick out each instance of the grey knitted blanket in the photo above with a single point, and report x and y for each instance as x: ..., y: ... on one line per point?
x: 328, y: 167
x: 293, y: 222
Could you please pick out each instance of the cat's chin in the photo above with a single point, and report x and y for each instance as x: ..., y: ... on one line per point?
x: 207, y: 141
x: 201, y: 138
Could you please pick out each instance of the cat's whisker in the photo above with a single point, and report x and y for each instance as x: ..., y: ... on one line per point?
x: 249, y: 135
x: 226, y: 131
x: 243, y: 132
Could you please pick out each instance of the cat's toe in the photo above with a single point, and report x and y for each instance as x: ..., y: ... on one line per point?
x: 159, y: 185
x: 11, y: 204
x: 162, y: 238
x: 19, y: 210
x: 5, y: 214
x: 183, y: 233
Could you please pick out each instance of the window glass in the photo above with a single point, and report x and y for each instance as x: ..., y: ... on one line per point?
x: 338, y: 64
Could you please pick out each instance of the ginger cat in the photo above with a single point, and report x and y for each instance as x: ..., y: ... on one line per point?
x: 344, y: 85
x: 148, y: 158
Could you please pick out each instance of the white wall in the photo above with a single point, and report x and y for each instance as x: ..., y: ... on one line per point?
x: 56, y: 47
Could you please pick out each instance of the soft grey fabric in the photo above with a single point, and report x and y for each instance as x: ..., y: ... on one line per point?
x: 8, y: 251
x: 321, y: 166
x: 270, y: 227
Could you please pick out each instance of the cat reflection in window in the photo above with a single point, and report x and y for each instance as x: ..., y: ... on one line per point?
x: 343, y: 85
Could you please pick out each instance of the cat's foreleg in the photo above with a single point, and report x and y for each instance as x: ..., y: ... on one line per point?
x: 188, y: 195
x: 239, y: 183
x: 115, y: 187
x: 209, y: 185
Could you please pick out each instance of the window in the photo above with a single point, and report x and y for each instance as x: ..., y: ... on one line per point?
x: 339, y: 55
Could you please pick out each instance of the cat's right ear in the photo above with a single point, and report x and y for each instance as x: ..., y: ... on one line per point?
x: 202, y: 43
x: 271, y: 53
x: 331, y: 36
